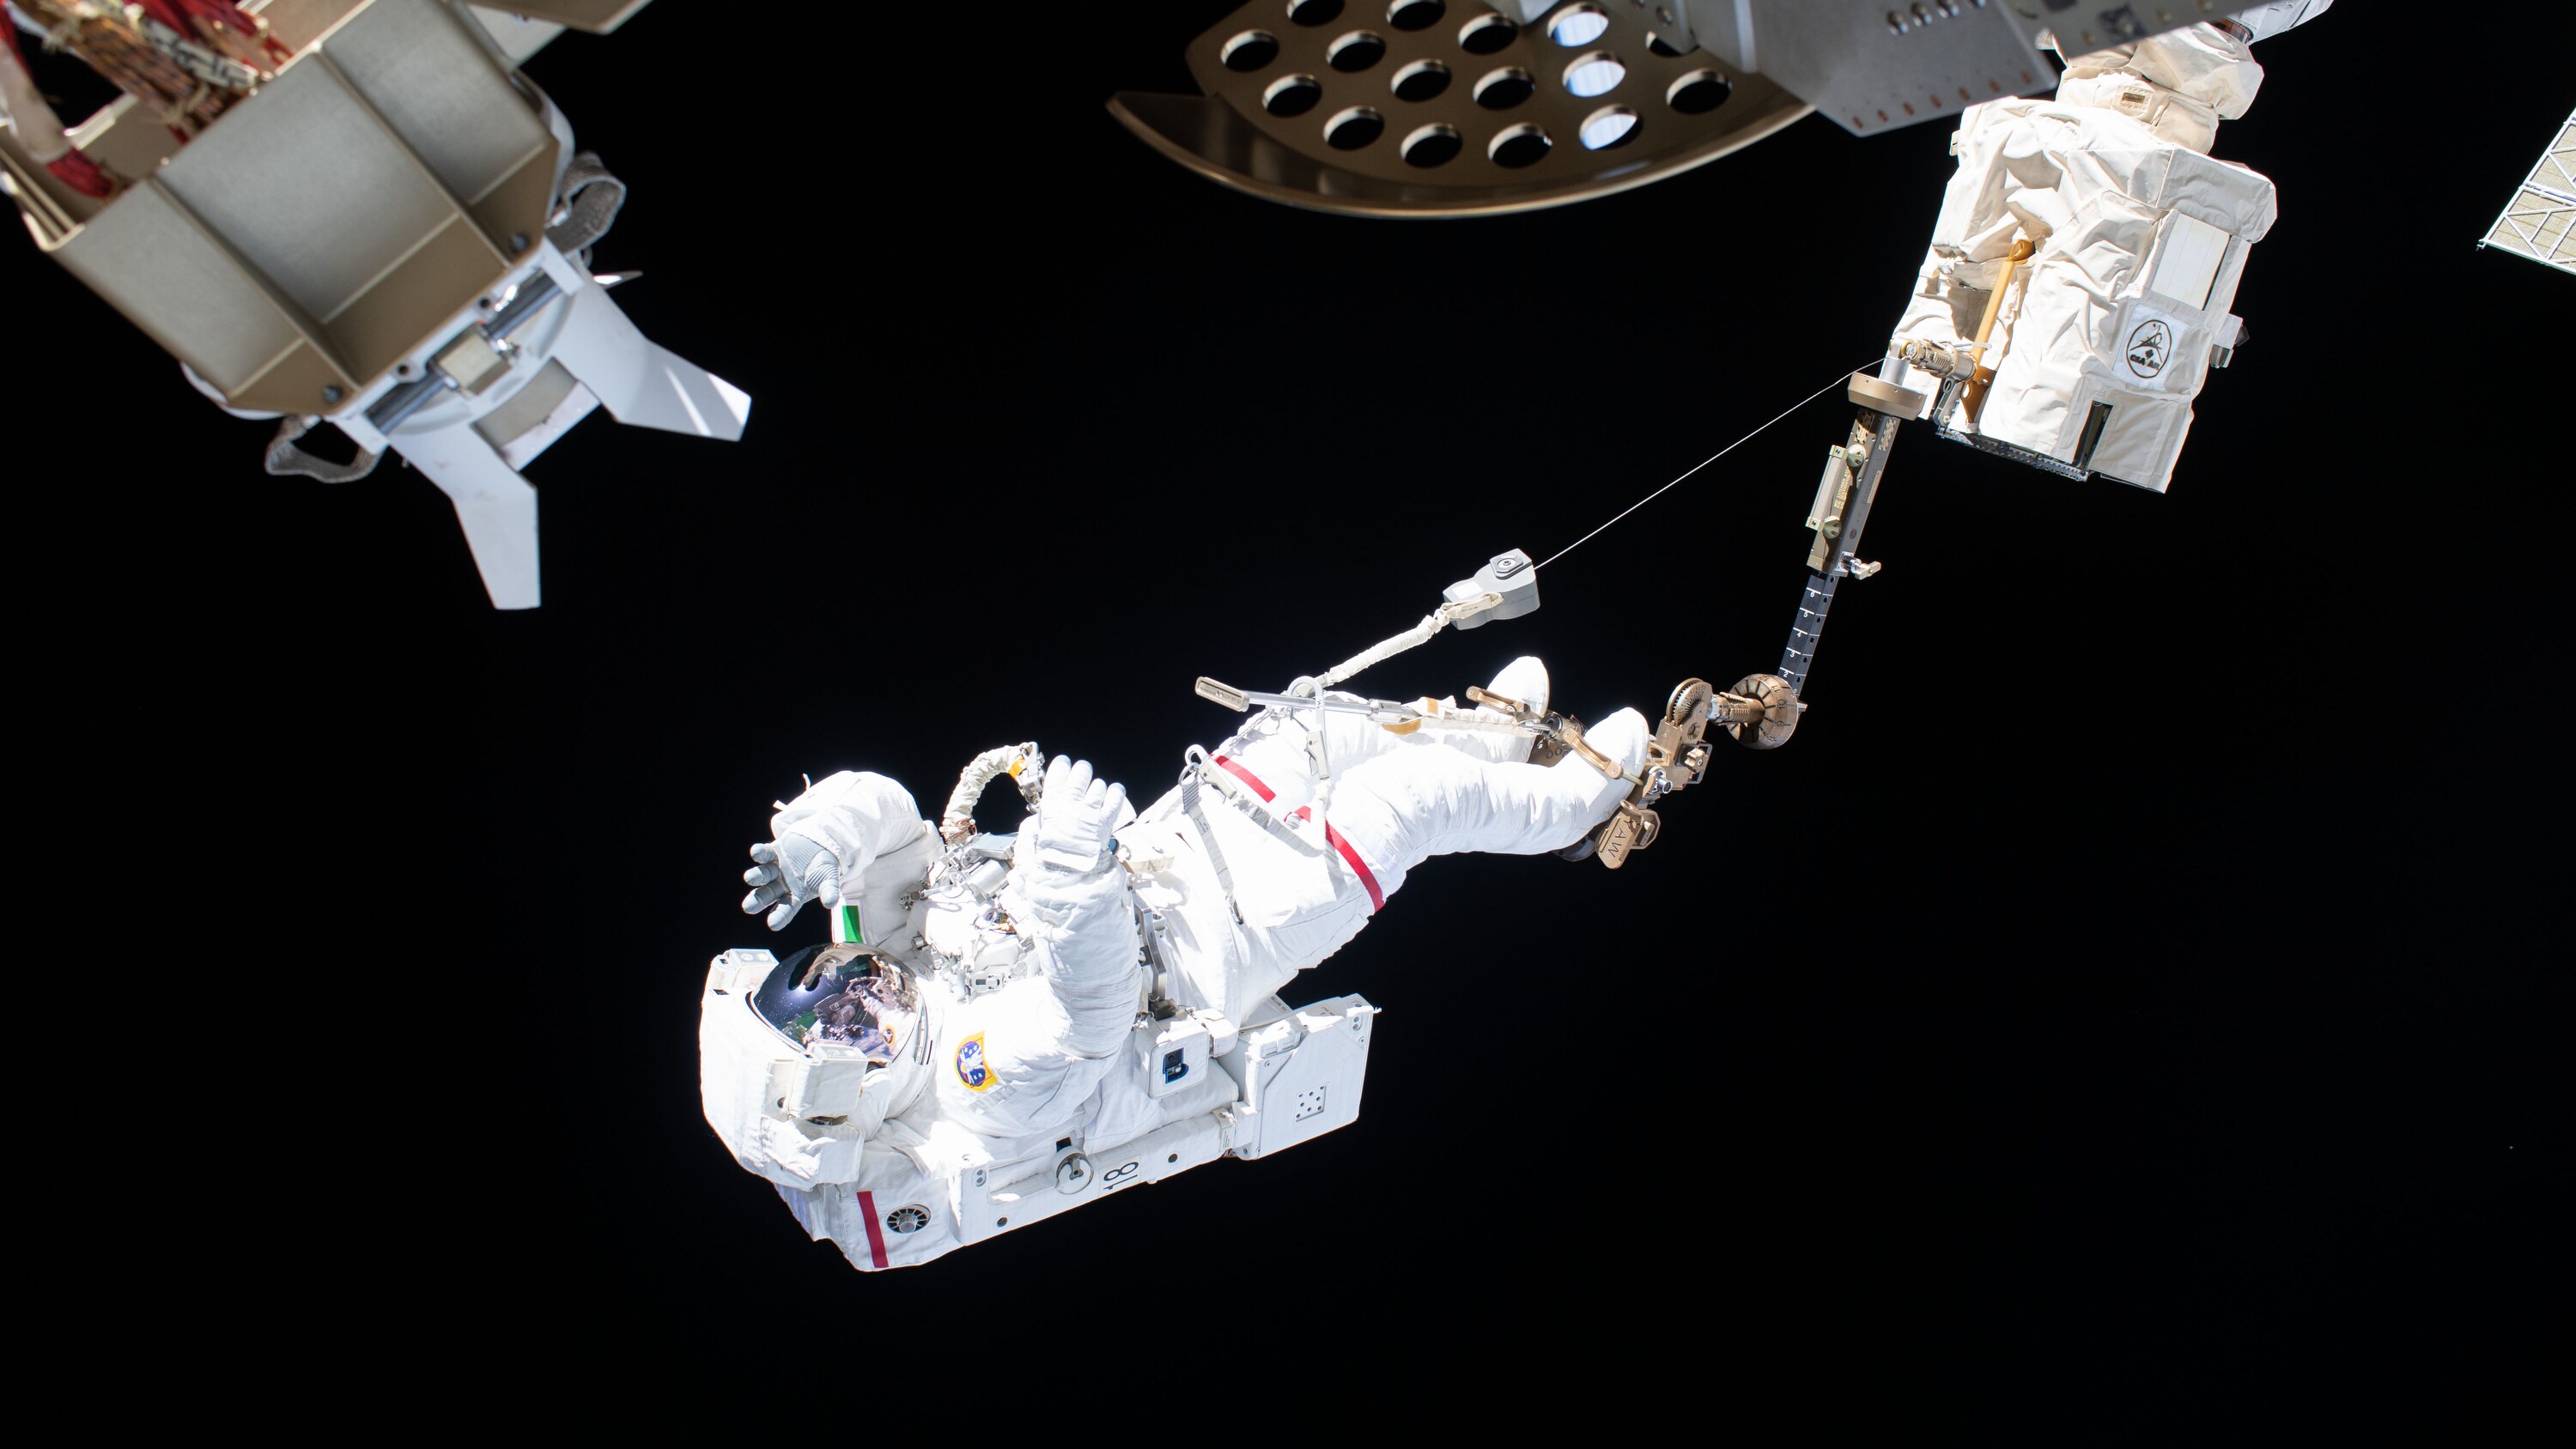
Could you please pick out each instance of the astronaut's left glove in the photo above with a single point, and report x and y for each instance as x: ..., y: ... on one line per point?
x: 1076, y: 818
x: 824, y: 842
x: 787, y: 874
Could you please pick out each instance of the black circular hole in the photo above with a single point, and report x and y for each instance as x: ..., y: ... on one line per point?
x: 1291, y: 95
x: 1314, y: 12
x: 1250, y: 51
x: 1175, y: 1157
x: 1503, y: 89
x: 1698, y: 93
x: 1354, y: 128
x: 1354, y: 52
x: 1519, y: 146
x: 1432, y: 146
x: 1486, y: 34
x: 1415, y: 14
x: 1421, y: 80
x: 1656, y: 44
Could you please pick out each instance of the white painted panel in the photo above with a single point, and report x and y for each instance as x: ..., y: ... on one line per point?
x: 2189, y: 260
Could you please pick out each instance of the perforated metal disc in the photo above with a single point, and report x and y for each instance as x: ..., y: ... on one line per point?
x: 1440, y: 108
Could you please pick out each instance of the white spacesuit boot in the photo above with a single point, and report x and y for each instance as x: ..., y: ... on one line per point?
x: 2086, y: 256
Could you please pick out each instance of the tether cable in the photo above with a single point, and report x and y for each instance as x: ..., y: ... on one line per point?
x: 1839, y: 379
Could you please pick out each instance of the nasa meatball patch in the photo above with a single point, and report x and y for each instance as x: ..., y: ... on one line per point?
x: 972, y: 1069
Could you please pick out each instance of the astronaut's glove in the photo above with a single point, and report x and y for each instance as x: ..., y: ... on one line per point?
x: 786, y: 874
x: 1077, y: 816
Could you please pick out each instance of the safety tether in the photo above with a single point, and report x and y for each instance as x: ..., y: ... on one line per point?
x: 1838, y: 381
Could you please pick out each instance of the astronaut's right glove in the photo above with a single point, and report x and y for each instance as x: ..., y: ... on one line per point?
x: 1076, y: 817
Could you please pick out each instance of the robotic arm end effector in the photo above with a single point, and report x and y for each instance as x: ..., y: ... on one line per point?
x: 1759, y: 711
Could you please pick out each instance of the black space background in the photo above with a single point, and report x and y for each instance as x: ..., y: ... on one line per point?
x: 2132, y: 1006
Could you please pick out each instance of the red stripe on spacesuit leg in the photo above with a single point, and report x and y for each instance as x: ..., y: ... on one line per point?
x: 1359, y: 867
x: 876, y: 1235
x: 1246, y: 776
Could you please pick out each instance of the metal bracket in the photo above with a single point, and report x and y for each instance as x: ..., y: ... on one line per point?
x: 1887, y: 397
x: 1563, y: 732
x: 1677, y: 757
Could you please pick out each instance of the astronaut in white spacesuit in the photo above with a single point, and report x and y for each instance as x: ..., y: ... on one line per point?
x: 2115, y: 243
x: 1200, y: 907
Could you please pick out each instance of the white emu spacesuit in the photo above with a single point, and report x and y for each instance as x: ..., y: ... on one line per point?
x: 2134, y: 239
x: 1038, y: 1004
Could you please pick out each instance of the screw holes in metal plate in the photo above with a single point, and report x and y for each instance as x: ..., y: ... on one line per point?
x: 1313, y: 12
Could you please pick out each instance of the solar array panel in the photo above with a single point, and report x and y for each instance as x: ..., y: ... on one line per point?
x: 2538, y: 222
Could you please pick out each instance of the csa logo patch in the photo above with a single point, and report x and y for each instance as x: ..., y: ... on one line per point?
x: 2150, y: 343
x: 972, y: 1068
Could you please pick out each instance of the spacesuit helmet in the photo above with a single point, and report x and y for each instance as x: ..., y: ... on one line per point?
x: 841, y: 995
